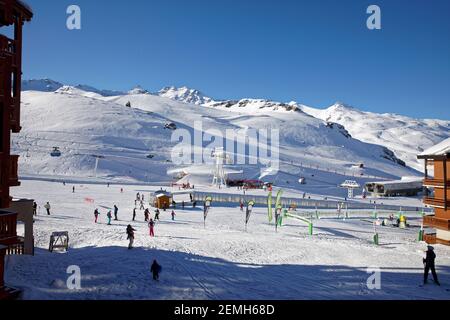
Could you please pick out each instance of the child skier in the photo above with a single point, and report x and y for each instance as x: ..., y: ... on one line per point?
x: 47, y: 207
x: 173, y: 215
x: 130, y: 236
x: 429, y: 264
x: 116, y: 211
x: 96, y: 213
x: 155, y: 270
x: 151, y: 226
x: 109, y: 216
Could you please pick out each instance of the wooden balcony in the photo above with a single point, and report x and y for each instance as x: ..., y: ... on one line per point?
x: 438, y: 203
x: 435, y: 183
x: 8, y: 233
x: 433, y: 222
x: 432, y: 239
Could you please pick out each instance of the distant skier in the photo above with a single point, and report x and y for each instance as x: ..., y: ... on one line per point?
x: 146, y: 215
x: 47, y: 207
x: 142, y: 205
x: 155, y: 270
x: 134, y: 214
x: 130, y: 236
x: 73, y: 189
x: 138, y: 196
x: 116, y: 211
x: 242, y: 206
x: 429, y: 263
x: 157, y: 212
x: 107, y: 184
x: 96, y: 213
x: 121, y: 190
x: 109, y: 216
x: 34, y: 208
x: 182, y: 205
x: 151, y: 226
x: 173, y: 215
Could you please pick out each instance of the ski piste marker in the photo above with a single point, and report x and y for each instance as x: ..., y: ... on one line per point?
x: 269, y: 207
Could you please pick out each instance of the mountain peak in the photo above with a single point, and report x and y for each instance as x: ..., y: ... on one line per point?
x: 138, y: 90
x: 184, y: 94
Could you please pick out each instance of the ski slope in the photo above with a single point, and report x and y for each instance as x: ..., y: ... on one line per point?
x: 134, y: 145
x: 220, y: 261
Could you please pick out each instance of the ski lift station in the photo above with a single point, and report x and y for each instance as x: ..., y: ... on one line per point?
x: 162, y: 199
x: 350, y: 185
x: 399, y: 188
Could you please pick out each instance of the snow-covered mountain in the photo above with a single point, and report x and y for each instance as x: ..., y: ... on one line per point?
x: 407, y: 137
x: 135, y: 145
x: 185, y: 94
x: 402, y: 137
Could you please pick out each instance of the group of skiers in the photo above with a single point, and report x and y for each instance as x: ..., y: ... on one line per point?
x: 47, y: 208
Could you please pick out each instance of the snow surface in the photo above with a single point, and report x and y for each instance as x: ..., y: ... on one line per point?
x: 85, y: 124
x: 220, y: 261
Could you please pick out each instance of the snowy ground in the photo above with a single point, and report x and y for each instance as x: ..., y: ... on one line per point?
x: 220, y: 261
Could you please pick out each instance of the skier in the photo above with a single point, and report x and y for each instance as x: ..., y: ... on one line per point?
x: 138, y: 196
x: 134, y: 214
x: 116, y: 211
x: 47, y: 207
x: 242, y: 206
x: 34, y: 208
x: 151, y: 226
x: 96, y: 213
x: 142, y: 205
x: 157, y: 214
x: 130, y: 236
x: 107, y: 184
x: 430, y: 265
x: 146, y: 215
x: 155, y: 270
x: 182, y: 204
x: 109, y: 215
x: 173, y: 215
x: 73, y: 189
x: 121, y: 190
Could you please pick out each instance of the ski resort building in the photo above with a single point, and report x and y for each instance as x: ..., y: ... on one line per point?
x: 437, y: 194
x: 399, y: 188
x: 13, y: 13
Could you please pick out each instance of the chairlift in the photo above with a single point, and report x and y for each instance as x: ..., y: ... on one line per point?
x: 56, y: 152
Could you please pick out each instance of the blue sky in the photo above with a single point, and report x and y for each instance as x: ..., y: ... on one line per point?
x: 313, y: 52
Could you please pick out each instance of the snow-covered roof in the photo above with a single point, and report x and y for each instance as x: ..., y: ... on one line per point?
x: 440, y: 149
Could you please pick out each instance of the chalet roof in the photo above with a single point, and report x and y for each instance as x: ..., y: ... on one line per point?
x: 441, y: 149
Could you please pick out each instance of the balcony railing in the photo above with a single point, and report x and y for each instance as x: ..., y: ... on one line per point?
x: 433, y: 222
x: 435, y: 183
x: 439, y: 203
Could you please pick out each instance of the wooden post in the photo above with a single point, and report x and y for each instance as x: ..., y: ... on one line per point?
x: 445, y: 184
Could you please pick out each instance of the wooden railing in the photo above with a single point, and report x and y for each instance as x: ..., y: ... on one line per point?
x: 436, y: 202
x: 8, y: 225
x: 435, y: 182
x: 432, y: 221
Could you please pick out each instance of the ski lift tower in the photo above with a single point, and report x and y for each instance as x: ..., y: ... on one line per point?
x: 219, y: 173
x: 351, y: 186
x: 97, y: 159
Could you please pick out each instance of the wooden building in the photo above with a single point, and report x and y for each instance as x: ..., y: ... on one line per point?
x: 437, y: 193
x: 13, y: 13
x: 162, y: 199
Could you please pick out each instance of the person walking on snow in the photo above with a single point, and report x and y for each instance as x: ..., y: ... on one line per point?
x: 157, y: 214
x: 242, y: 206
x: 142, y: 205
x: 155, y: 269
x: 151, y: 226
x: 116, y: 211
x: 96, y: 213
x: 130, y: 236
x: 173, y: 215
x: 47, y: 207
x: 73, y: 189
x: 429, y: 263
x: 109, y: 216
x: 134, y: 214
x: 146, y: 215
x: 34, y: 208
